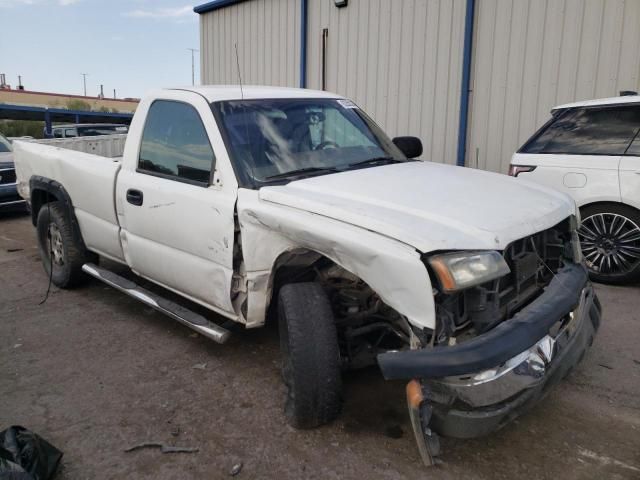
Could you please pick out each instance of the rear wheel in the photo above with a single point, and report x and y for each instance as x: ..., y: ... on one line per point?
x: 62, y: 257
x: 310, y: 355
x: 610, y: 241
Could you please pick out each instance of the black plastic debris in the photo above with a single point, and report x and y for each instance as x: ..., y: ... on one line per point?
x: 25, y: 455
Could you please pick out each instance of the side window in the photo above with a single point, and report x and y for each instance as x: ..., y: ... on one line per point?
x: 175, y: 143
x: 70, y: 132
x: 634, y: 148
x: 57, y: 133
x: 588, y: 131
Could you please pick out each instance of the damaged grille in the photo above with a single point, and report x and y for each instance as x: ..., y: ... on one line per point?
x: 533, y: 261
x: 7, y: 176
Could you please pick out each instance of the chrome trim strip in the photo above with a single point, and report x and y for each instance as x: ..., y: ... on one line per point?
x: 196, y: 322
x: 523, y: 371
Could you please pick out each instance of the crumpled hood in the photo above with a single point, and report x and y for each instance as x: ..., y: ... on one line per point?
x: 429, y: 206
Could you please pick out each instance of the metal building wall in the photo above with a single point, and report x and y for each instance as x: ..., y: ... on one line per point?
x: 532, y: 55
x: 400, y: 60
x: 267, y: 33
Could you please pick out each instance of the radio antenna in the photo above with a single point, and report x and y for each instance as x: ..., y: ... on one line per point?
x: 244, y: 110
x: 239, y: 75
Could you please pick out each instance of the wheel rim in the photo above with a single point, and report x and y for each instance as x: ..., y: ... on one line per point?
x: 56, y: 249
x: 610, y: 243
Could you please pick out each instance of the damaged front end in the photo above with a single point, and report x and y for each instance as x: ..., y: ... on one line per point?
x: 498, y: 345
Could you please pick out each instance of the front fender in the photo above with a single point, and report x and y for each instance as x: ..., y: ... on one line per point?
x: 392, y: 269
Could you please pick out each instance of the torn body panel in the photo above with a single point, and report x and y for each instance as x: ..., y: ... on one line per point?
x: 392, y: 269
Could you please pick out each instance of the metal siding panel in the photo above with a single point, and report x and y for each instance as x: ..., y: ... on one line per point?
x: 428, y: 117
x: 393, y: 67
x: 454, y: 85
x: 530, y: 56
x: 267, y: 33
x: 516, y: 68
x: 630, y: 57
x: 405, y: 57
x: 371, y: 80
x: 481, y: 78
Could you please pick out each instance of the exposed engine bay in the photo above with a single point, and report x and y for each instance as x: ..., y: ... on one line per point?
x: 368, y: 327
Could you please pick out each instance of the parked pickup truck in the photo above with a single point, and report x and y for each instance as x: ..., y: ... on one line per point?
x: 261, y: 202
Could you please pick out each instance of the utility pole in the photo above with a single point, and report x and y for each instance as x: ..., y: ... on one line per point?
x: 193, y: 65
x: 84, y: 81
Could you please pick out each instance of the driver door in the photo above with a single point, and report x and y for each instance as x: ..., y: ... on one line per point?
x: 177, y: 224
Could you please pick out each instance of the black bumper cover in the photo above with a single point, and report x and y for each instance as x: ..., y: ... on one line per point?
x: 495, y: 347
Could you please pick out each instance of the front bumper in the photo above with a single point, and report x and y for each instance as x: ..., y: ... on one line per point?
x: 476, y: 387
x: 466, y: 406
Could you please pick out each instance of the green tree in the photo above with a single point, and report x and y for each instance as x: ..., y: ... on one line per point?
x: 77, y: 104
x: 21, y: 128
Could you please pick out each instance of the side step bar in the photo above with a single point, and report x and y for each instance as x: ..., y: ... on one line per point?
x: 183, y: 315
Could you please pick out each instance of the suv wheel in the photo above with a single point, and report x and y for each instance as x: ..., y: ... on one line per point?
x: 310, y: 355
x: 610, y: 240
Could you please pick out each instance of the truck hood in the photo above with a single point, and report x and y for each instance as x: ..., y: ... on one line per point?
x: 429, y: 206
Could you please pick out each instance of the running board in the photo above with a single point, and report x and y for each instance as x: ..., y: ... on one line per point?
x: 183, y: 315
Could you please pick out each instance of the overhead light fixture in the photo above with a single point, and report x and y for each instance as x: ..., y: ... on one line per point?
x: 341, y: 3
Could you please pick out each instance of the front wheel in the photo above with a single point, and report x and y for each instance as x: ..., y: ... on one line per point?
x: 61, y: 255
x: 610, y: 241
x: 310, y: 355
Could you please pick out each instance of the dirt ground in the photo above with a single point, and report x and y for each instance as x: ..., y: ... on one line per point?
x: 95, y: 372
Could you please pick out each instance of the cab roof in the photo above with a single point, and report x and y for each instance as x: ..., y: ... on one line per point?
x: 601, y: 101
x: 216, y: 93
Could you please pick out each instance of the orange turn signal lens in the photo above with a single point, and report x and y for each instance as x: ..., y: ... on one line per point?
x: 464, y: 269
x: 447, y: 282
x: 414, y: 394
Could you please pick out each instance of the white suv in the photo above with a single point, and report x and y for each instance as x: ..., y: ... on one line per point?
x: 591, y: 150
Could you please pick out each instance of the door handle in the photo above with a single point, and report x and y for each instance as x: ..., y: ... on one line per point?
x: 135, y: 197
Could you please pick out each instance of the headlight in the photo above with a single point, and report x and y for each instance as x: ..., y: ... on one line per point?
x: 460, y: 270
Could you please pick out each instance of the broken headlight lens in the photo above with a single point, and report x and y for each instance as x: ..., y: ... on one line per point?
x: 460, y: 270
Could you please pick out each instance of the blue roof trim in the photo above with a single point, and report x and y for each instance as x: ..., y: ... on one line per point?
x: 214, y: 5
x: 64, y: 111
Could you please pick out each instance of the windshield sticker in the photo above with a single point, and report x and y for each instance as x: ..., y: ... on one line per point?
x: 347, y: 104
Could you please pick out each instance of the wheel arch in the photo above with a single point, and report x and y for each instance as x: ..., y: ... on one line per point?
x: 606, y: 202
x: 45, y: 190
x: 292, y: 264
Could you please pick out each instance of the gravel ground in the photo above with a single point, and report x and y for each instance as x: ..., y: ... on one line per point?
x: 95, y: 372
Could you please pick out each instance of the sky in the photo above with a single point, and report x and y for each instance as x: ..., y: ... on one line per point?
x: 132, y: 46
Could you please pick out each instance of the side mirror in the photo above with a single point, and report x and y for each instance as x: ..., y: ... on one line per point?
x: 410, y: 146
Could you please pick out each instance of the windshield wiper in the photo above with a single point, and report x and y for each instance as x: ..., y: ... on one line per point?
x: 376, y: 161
x: 302, y: 171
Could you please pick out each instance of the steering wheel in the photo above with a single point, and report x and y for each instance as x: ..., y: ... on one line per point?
x: 323, y: 145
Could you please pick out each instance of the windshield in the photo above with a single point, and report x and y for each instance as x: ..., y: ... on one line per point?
x: 5, y: 146
x: 275, y: 139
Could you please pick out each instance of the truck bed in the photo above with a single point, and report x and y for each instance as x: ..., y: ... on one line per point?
x: 87, y: 167
x: 110, y: 146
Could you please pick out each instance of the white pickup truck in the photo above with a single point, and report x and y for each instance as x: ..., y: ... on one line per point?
x: 267, y: 201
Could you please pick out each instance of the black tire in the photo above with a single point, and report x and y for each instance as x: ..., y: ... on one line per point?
x: 54, y: 225
x: 610, y: 240
x: 310, y: 355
